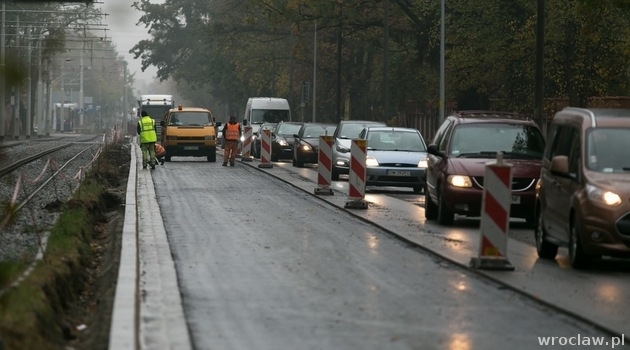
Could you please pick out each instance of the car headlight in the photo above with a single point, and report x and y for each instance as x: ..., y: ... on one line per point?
x: 459, y: 180
x: 305, y: 147
x: 371, y: 161
x: 422, y: 163
x: 601, y: 196
x: 281, y: 141
x: 242, y: 138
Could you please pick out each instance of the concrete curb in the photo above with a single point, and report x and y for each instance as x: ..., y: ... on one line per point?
x: 124, y: 324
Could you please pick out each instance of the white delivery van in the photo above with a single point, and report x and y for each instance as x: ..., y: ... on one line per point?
x: 266, y: 109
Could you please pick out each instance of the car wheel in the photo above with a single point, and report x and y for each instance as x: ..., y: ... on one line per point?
x: 212, y: 156
x: 334, y: 174
x: 430, y: 209
x: 444, y: 215
x: 274, y: 158
x: 417, y: 189
x: 298, y: 162
x: 545, y: 249
x: 579, y: 259
x: 167, y: 158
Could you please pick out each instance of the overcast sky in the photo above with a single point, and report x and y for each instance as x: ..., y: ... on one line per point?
x: 125, y: 34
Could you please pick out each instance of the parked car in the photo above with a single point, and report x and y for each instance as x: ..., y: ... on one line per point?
x: 256, y: 137
x: 584, y: 193
x: 458, y: 154
x: 282, y: 140
x: 344, y: 133
x: 396, y: 157
x: 306, y: 142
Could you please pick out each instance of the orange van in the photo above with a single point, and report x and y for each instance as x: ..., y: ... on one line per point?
x: 189, y: 132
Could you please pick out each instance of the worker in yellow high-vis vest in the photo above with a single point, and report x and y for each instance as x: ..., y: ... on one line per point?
x: 148, y: 138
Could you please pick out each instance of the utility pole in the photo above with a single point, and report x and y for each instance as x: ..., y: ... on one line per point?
x: 123, y: 126
x: 442, y: 83
x: 386, y: 63
x: 29, y: 93
x: 18, y: 87
x: 540, y: 44
x: 81, y: 111
x: 3, y: 97
x: 315, y: 72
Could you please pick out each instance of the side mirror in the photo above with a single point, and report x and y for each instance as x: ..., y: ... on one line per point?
x: 296, y: 136
x: 432, y: 149
x: 560, y: 166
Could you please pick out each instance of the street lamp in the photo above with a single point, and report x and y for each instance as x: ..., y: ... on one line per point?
x: 441, y: 61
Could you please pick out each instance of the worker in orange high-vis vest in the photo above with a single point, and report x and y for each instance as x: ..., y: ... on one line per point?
x: 148, y: 138
x: 232, y: 135
x: 160, y: 152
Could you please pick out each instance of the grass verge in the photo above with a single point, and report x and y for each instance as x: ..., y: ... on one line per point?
x: 73, y: 284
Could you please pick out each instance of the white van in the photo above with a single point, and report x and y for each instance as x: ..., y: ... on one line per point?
x: 266, y: 109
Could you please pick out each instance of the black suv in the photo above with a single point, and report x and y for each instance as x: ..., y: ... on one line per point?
x: 458, y: 154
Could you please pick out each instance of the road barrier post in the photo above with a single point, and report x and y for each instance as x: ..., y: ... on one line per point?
x: 324, y: 165
x: 265, y: 149
x: 356, y: 178
x: 495, y: 217
x: 247, y: 145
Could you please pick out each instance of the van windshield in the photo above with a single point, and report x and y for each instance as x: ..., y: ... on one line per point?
x: 189, y: 118
x: 269, y: 115
x: 608, y: 150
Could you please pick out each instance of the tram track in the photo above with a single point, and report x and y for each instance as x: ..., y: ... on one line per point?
x: 36, y: 178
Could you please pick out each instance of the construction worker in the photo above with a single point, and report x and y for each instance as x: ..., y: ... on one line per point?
x: 160, y: 152
x: 148, y: 138
x: 231, y: 134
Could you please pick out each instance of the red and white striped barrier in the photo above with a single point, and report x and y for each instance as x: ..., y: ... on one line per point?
x: 495, y: 217
x: 324, y: 165
x: 265, y: 149
x: 247, y: 144
x: 356, y: 178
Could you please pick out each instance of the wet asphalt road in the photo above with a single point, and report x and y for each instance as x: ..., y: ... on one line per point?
x: 262, y: 265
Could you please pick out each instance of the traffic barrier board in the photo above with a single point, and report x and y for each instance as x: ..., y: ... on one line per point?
x: 495, y: 217
x: 356, y: 175
x: 324, y: 165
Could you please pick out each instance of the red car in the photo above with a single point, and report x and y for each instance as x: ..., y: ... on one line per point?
x: 458, y: 154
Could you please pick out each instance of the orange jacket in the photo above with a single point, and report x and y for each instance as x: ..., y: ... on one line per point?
x: 159, y: 150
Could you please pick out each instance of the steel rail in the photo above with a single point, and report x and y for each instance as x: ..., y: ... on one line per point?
x: 15, y: 165
x: 48, y: 180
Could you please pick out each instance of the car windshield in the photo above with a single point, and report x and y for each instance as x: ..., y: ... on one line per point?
x: 608, y: 150
x: 288, y: 129
x: 388, y: 140
x: 268, y: 126
x: 313, y: 131
x: 190, y: 118
x: 485, y: 140
x: 350, y: 131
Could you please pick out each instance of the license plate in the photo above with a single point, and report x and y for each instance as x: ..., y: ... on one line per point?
x: 516, y: 199
x: 191, y: 148
x: 399, y: 173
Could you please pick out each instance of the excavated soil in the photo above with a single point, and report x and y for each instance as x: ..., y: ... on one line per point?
x: 89, y: 316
